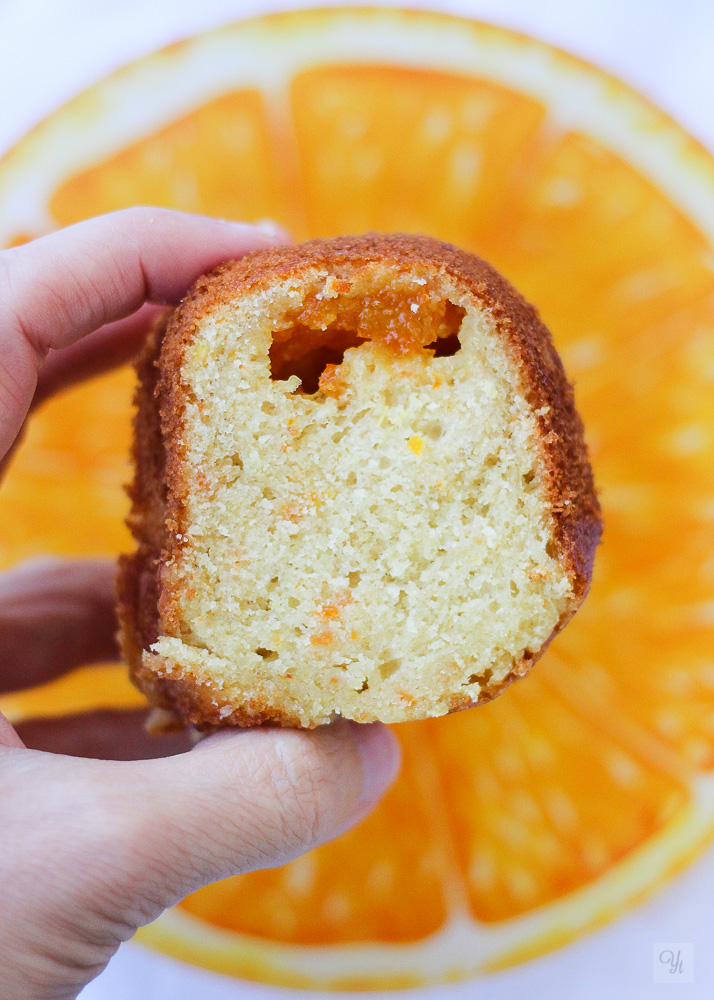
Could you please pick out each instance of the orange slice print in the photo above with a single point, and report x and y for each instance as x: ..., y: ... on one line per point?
x: 522, y: 824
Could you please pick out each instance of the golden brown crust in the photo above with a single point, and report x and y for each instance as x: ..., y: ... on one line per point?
x: 147, y: 607
x: 138, y: 576
x: 198, y: 704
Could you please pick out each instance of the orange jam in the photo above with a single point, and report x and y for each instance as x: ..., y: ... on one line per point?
x: 315, y: 337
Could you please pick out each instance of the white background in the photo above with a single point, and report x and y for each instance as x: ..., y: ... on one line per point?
x: 51, y: 49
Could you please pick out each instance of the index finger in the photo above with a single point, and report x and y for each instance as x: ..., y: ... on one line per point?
x: 61, y: 287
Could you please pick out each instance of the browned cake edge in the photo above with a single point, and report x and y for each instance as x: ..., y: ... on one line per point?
x: 160, y: 488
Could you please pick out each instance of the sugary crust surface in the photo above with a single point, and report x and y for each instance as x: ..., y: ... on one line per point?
x: 161, y: 487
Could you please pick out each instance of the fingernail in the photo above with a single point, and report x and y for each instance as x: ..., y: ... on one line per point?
x: 273, y: 230
x: 267, y: 227
x: 381, y: 757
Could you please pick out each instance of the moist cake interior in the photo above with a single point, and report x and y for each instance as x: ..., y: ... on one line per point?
x: 368, y: 532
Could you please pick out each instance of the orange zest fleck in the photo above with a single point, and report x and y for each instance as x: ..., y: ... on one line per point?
x: 324, y: 638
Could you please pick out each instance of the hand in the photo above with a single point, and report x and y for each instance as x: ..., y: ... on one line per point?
x: 90, y: 849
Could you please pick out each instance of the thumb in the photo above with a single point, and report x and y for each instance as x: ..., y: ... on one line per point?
x: 114, y: 843
x: 251, y: 799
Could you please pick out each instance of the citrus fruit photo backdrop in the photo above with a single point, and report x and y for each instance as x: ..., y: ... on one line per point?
x: 520, y: 825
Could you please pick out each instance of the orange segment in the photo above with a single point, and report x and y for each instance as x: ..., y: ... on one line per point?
x: 667, y: 688
x: 65, y: 491
x: 83, y: 690
x: 397, y: 891
x: 631, y: 258
x: 513, y: 776
x: 17, y: 240
x: 644, y: 271
x: 389, y: 148
x: 218, y: 160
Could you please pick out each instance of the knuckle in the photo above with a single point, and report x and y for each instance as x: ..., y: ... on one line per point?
x: 270, y: 797
x: 306, y: 790
x: 141, y: 217
x: 13, y: 284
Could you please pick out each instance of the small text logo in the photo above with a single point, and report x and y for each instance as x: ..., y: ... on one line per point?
x: 673, y: 963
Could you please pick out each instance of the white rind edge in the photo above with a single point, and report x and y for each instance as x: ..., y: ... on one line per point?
x: 577, y: 96
x: 463, y: 947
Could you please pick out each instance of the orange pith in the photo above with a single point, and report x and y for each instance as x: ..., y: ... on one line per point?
x: 238, y: 180
x: 556, y: 787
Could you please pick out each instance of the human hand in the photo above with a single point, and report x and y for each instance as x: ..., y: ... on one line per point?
x: 91, y: 849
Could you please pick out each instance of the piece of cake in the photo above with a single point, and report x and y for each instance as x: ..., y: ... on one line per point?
x: 361, y: 489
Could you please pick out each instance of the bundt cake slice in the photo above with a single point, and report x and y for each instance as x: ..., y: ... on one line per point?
x: 361, y: 489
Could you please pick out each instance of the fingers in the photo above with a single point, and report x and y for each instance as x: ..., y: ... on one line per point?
x: 260, y: 797
x: 55, y: 615
x: 107, y: 734
x: 112, y: 844
x: 112, y: 345
x: 65, y: 285
x: 57, y: 289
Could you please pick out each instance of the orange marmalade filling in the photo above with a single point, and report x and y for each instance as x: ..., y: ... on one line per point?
x: 315, y: 337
